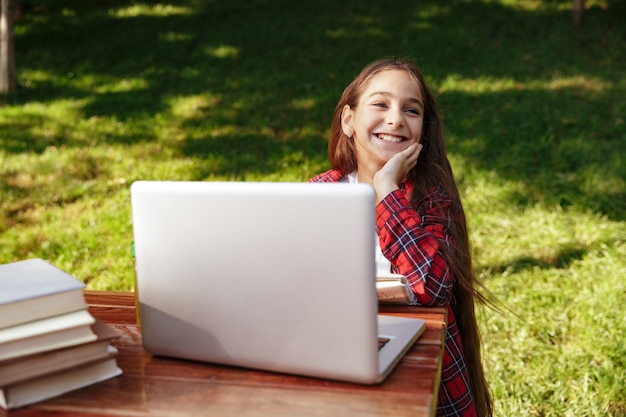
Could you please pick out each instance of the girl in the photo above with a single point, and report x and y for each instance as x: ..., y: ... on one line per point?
x: 386, y: 131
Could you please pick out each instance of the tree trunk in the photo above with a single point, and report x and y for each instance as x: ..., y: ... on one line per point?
x: 578, y: 10
x: 7, y: 57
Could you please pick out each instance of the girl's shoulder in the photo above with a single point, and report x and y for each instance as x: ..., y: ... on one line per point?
x: 433, y: 195
x: 332, y: 175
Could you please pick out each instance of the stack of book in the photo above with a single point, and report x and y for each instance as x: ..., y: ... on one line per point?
x: 394, y: 289
x: 49, y: 342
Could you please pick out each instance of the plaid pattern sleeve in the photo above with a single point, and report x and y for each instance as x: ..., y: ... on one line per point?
x: 332, y: 175
x: 411, y: 240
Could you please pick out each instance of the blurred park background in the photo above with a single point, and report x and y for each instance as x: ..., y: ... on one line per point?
x: 113, y: 91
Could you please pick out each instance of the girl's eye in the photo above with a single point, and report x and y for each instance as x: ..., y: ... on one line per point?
x: 413, y: 111
x: 379, y: 104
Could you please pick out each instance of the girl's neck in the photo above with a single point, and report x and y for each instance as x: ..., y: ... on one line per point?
x: 366, y: 174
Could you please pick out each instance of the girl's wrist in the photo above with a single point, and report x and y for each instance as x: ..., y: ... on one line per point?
x: 383, y: 190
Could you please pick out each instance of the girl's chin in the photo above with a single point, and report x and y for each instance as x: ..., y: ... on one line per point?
x: 383, y: 159
x: 387, y: 153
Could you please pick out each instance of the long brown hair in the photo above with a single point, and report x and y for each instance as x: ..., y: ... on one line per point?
x: 432, y: 170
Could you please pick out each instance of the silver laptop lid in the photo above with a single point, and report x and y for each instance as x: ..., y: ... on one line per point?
x: 275, y: 276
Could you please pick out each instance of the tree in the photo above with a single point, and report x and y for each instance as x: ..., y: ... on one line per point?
x: 578, y: 9
x: 7, y: 57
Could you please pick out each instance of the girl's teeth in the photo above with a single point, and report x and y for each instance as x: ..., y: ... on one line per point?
x: 390, y: 138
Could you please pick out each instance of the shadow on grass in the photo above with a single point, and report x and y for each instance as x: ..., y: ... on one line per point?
x: 235, y: 157
x: 126, y: 61
x: 562, y: 259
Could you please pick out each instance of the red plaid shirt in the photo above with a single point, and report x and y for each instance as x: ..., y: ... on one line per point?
x: 410, y: 240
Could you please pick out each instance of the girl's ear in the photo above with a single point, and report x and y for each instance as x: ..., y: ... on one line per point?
x: 346, y: 121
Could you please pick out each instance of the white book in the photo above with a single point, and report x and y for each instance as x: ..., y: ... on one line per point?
x: 27, y: 367
x: 47, y: 334
x: 40, y: 389
x: 34, y: 289
x: 394, y: 289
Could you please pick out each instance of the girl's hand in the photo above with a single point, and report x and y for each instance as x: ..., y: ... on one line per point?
x: 395, y: 171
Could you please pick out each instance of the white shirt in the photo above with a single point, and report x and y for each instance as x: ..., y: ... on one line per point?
x: 383, y: 266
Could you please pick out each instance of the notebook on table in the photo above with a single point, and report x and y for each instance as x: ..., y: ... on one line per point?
x: 270, y: 276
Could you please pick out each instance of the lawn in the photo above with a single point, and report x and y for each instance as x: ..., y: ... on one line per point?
x: 116, y: 91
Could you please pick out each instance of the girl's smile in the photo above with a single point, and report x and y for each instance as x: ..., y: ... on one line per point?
x: 390, y: 138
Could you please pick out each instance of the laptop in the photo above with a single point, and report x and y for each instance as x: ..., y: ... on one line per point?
x: 271, y: 276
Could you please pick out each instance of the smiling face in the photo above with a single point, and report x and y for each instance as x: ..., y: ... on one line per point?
x: 387, y: 119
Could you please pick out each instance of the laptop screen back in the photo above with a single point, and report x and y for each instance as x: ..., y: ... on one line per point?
x: 275, y: 276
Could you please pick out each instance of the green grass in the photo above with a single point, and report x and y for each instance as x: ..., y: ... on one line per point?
x: 112, y: 92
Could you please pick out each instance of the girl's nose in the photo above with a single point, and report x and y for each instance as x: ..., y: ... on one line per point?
x: 395, y: 117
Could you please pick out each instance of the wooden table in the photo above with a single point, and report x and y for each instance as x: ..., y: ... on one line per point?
x: 154, y: 386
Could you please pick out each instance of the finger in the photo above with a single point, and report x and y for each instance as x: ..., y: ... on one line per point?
x: 413, y: 153
x: 412, y: 159
x: 411, y: 149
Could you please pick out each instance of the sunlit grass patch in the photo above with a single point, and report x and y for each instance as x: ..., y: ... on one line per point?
x: 110, y: 93
x: 147, y: 9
